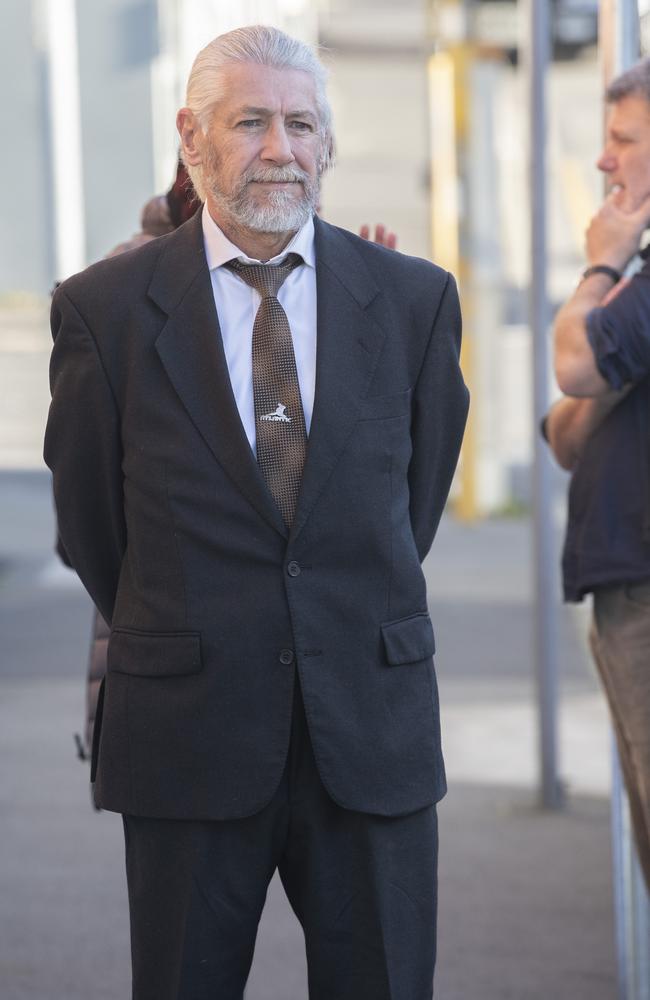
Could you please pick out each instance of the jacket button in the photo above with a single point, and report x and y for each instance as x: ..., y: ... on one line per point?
x: 286, y: 657
x: 293, y: 568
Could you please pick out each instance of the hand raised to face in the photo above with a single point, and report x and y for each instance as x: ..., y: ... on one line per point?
x: 614, y: 233
x: 383, y: 236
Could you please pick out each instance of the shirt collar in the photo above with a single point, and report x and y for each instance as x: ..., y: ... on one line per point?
x: 219, y: 250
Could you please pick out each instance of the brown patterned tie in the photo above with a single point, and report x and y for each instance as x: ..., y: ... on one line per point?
x: 279, y: 418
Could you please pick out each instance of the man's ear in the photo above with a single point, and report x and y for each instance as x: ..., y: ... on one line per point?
x: 191, y: 135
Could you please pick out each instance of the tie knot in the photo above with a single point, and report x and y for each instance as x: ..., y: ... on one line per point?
x: 265, y: 278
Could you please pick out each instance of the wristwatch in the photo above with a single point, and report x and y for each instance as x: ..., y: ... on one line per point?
x: 611, y: 272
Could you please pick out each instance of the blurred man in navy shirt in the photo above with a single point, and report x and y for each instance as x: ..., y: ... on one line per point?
x: 600, y: 432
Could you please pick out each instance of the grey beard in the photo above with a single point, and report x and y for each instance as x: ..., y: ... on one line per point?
x: 281, y: 213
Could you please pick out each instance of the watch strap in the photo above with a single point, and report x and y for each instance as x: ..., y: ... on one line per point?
x: 611, y: 272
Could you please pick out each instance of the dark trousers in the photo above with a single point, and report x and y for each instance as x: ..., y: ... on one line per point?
x: 363, y: 888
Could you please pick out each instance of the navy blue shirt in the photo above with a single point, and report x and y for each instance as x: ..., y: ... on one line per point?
x: 619, y: 333
x: 608, y: 531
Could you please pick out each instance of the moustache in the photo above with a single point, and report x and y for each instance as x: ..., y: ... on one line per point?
x: 277, y: 175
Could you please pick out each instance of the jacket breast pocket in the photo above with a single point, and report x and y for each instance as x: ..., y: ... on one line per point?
x: 395, y: 404
x: 408, y: 640
x: 154, y: 654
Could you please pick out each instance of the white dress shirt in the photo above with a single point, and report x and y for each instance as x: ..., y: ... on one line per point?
x: 237, y: 305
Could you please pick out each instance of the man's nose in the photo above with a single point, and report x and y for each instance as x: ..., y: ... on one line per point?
x: 606, y: 162
x: 277, y: 146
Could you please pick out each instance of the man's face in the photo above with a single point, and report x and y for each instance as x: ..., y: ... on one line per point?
x: 626, y: 156
x: 262, y: 154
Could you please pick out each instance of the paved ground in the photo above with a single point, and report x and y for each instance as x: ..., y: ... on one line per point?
x: 525, y: 897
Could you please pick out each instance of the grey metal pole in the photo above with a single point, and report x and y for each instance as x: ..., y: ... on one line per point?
x: 631, y: 901
x: 642, y: 932
x: 66, y: 138
x: 620, y: 864
x: 545, y: 562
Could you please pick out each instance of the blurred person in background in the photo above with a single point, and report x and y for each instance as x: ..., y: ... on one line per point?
x: 255, y: 422
x: 601, y: 433
x: 164, y: 212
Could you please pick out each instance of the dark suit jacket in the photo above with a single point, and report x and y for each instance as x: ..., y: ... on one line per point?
x: 213, y: 604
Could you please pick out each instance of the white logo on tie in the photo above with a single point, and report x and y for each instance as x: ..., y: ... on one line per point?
x: 279, y: 414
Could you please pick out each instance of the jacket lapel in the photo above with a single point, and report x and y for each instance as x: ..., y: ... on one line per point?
x: 191, y: 351
x: 349, y: 342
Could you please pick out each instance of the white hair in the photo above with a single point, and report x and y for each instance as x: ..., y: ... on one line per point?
x: 265, y: 46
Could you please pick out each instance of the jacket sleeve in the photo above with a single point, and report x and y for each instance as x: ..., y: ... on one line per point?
x: 440, y: 403
x: 83, y: 450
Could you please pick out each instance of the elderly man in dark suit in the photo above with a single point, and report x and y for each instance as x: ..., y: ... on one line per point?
x: 254, y: 427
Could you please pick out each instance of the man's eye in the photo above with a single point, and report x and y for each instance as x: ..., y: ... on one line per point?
x: 299, y: 126
x: 250, y: 123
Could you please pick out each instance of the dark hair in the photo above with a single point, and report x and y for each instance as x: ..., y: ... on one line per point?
x: 181, y: 200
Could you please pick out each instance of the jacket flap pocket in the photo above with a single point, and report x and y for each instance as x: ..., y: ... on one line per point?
x: 409, y: 639
x: 383, y: 407
x: 154, y: 654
